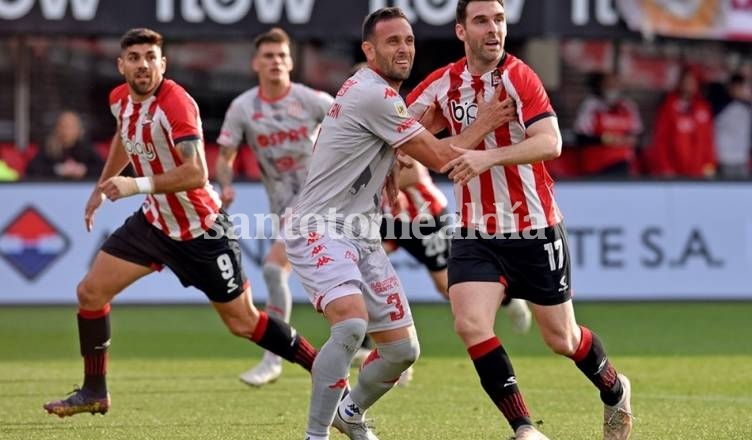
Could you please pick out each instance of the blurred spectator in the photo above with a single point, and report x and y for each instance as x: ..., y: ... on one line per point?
x: 733, y: 130
x: 7, y: 174
x: 608, y: 126
x: 683, y: 143
x: 65, y: 153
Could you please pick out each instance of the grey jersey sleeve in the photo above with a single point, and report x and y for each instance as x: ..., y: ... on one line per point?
x: 320, y: 102
x: 231, y: 133
x: 384, y: 113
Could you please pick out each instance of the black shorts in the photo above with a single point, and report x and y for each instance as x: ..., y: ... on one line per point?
x: 429, y: 247
x: 212, y: 265
x: 534, y: 269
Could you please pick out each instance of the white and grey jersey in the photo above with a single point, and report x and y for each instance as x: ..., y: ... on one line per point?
x: 354, y: 154
x: 281, y: 134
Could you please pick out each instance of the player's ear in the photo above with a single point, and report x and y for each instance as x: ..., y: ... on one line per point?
x: 121, y: 65
x: 459, y: 30
x: 163, y: 65
x: 368, y: 49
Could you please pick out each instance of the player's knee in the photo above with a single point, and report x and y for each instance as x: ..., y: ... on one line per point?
x: 240, y: 327
x: 405, y: 351
x: 467, y: 328
x: 561, y: 343
x: 87, y: 294
x: 349, y: 333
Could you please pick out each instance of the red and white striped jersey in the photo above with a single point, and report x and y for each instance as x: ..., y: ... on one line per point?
x: 423, y: 198
x: 504, y: 199
x: 150, y: 130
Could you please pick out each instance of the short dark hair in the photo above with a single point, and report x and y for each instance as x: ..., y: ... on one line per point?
x: 378, y: 15
x: 273, y: 35
x: 462, y: 8
x: 140, y: 36
x: 737, y: 79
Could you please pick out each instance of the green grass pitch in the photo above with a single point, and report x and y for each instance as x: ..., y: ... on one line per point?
x: 173, y: 375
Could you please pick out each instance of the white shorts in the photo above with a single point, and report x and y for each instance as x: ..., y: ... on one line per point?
x: 324, y: 264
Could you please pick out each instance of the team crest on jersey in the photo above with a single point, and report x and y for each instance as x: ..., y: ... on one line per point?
x: 495, y: 78
x: 401, y: 110
x: 295, y: 109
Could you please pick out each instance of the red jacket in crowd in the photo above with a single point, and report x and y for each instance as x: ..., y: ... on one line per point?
x: 683, y: 142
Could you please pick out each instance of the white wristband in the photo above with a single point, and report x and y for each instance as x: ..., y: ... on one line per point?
x: 145, y: 185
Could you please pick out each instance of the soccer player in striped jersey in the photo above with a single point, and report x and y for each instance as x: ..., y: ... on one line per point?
x: 180, y: 224
x: 279, y: 120
x: 511, y: 240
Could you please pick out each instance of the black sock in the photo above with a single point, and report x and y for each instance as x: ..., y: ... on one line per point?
x: 497, y: 378
x: 281, y: 339
x: 591, y: 359
x: 94, y: 340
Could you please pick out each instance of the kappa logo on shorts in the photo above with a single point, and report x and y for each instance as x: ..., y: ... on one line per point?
x: 323, y: 261
x: 30, y: 243
x: 317, y: 249
x: 313, y: 237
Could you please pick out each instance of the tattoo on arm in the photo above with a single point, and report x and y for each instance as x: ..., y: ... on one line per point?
x: 189, y: 149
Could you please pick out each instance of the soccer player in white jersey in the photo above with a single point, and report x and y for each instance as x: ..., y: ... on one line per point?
x: 180, y: 224
x: 506, y: 201
x: 332, y: 233
x: 279, y: 120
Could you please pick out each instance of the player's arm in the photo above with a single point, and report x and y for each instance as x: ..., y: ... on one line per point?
x: 435, y: 153
x: 543, y: 142
x: 116, y: 161
x: 224, y: 173
x: 190, y: 174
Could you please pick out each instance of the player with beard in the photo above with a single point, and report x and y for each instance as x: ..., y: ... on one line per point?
x: 332, y: 236
x: 180, y: 224
x: 511, y: 239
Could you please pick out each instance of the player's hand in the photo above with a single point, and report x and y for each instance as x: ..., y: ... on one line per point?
x: 227, y: 196
x: 95, y: 200
x: 469, y: 164
x: 403, y: 161
x: 494, y: 113
x: 118, y: 187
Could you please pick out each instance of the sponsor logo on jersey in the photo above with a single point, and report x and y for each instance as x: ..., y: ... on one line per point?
x: 30, y: 243
x: 140, y: 149
x: 346, y: 86
x: 282, y: 136
x: 389, y: 93
x: 463, y: 113
x: 405, y: 125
